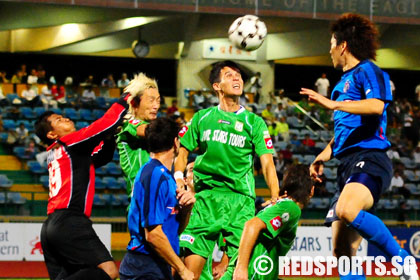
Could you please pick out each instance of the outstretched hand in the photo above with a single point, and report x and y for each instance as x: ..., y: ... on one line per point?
x: 313, y: 96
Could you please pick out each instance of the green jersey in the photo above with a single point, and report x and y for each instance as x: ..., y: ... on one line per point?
x: 226, y: 143
x: 132, y: 150
x: 281, y: 220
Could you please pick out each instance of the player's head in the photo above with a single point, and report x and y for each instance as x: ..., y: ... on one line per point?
x: 162, y: 135
x: 298, y: 184
x: 355, y: 34
x: 225, y: 77
x: 50, y: 126
x: 144, y: 100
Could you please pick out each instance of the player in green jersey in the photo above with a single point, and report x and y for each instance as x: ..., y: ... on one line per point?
x: 271, y: 233
x: 144, y: 105
x: 226, y: 138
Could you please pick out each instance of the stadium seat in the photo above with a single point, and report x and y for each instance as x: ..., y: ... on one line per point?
x: 294, y: 122
x: 3, y: 137
x: 56, y: 111
x: 12, y: 96
x: 101, y: 102
x: 298, y: 157
x: 38, y: 111
x: 281, y: 145
x: 20, y: 152
x: 100, y: 171
x: 411, y: 176
x: 308, y: 159
x: 2, y: 198
x: 113, y: 169
x: 36, y: 168
x: 111, y: 183
x: 320, y: 145
x: 114, y: 201
x: 27, y: 113
x: 5, y: 182
x: 331, y: 187
x: 86, y: 115
x: 81, y: 124
x: 408, y: 163
x: 122, y: 198
x: 9, y: 124
x: 390, y: 204
x: 97, y: 113
x: 116, y: 156
x: 329, y: 173
x: 414, y: 204
x: 332, y: 163
x: 15, y: 198
x: 99, y: 184
x: 121, y: 182
x: 72, y: 114
x: 45, y: 181
x: 98, y: 201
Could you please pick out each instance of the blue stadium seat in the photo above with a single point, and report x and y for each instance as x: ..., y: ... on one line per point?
x: 111, y: 183
x: 56, y: 111
x: 114, y: 201
x: 72, y: 114
x: 9, y: 124
x: 15, y: 198
x: 98, y: 201
x: 12, y: 96
x: 27, y: 113
x: 113, y: 169
x: 123, y: 198
x: 45, y: 181
x: 121, y: 183
x: 39, y: 111
x: 2, y: 198
x: 99, y: 184
x: 5, y: 182
x: 36, y: 168
x: 86, y: 115
x: 101, y: 102
x: 3, y: 137
x: 81, y: 124
x: 97, y: 113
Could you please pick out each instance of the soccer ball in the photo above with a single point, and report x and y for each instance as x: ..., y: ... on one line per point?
x: 247, y: 32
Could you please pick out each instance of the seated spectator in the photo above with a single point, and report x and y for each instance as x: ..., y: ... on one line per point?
x: 393, y: 153
x: 59, y: 94
x: 296, y: 143
x: 280, y: 164
x: 397, y: 185
x: 283, y: 129
x: 124, y: 81
x: 30, y: 95
x: 17, y: 78
x: 30, y: 150
x: 46, y: 97
x: 22, y: 134
x: 3, y: 100
x: 171, y: 110
x: 274, y: 131
x: 279, y: 112
x: 287, y: 153
x: 416, y: 156
x: 3, y: 79
x: 42, y: 79
x: 88, y: 97
x: 267, y: 115
x: 88, y: 82
x: 308, y: 144
x: 199, y: 100
x: 108, y: 82
x: 33, y: 77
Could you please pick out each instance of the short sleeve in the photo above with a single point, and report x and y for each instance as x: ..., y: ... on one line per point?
x: 261, y: 138
x: 131, y: 127
x: 279, y: 216
x: 189, y: 134
x: 374, y: 83
x: 153, y: 208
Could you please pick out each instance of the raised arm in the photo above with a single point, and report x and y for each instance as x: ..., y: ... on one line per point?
x: 180, y: 164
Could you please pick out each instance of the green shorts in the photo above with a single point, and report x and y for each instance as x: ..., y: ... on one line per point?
x: 217, y: 213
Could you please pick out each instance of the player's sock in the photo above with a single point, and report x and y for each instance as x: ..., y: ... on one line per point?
x: 374, y: 230
x: 89, y: 274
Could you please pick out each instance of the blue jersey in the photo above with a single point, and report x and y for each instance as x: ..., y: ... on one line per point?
x: 153, y: 203
x: 364, y: 81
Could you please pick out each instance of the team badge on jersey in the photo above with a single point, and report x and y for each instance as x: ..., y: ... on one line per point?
x: 183, y: 131
x: 134, y: 122
x: 285, y: 217
x: 276, y: 223
x: 268, y: 143
x: 239, y: 126
x: 224, y: 122
x: 346, y: 86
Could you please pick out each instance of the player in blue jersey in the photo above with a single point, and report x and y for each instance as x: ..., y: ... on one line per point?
x: 359, y: 102
x: 158, y: 212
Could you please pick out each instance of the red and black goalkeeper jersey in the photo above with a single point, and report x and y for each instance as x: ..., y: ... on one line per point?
x: 72, y: 161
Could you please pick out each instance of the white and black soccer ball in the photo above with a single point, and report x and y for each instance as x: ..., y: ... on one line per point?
x: 247, y: 32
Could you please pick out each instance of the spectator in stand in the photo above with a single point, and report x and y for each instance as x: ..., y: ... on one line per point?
x: 17, y: 77
x: 267, y: 115
x: 3, y: 79
x: 46, y: 97
x: 108, y: 82
x: 30, y: 95
x: 417, y: 92
x: 171, y: 110
x: 296, y: 143
x: 256, y: 85
x: 124, y: 81
x: 279, y: 112
x: 416, y: 156
x: 59, y: 94
x: 42, y: 79
x: 274, y: 131
x: 284, y: 129
x: 199, y: 100
x: 22, y: 134
x: 322, y: 85
x: 30, y: 150
x: 23, y: 73
x: 88, y: 82
x: 393, y: 153
x: 287, y: 153
x: 3, y: 100
x: 397, y: 185
x: 33, y: 77
x: 308, y: 144
x: 88, y: 97
x: 280, y: 164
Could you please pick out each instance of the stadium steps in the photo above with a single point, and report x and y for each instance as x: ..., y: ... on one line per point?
x: 9, y: 162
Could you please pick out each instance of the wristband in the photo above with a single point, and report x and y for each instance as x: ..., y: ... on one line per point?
x: 179, y: 175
